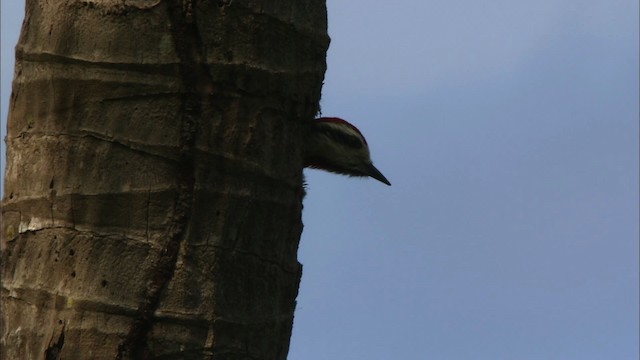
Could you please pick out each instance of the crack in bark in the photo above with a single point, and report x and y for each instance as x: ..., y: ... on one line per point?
x: 34, y: 297
x: 133, y: 146
x: 168, y: 69
x: 52, y: 194
x: 95, y: 234
x: 148, y: 206
x: 54, y: 349
x: 195, y: 79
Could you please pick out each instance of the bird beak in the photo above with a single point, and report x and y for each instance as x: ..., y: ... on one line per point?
x: 374, y: 173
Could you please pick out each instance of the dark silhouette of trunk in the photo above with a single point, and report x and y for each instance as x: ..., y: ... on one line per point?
x: 153, y: 188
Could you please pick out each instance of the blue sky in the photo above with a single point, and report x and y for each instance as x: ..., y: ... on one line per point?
x: 509, y: 131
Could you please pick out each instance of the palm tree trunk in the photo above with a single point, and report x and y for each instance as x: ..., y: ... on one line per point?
x: 153, y: 185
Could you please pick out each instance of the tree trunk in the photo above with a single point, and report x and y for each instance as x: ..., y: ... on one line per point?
x: 153, y: 185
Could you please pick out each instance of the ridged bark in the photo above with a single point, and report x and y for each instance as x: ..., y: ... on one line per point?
x: 153, y: 193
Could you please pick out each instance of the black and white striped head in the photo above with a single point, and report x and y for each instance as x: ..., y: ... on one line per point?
x: 334, y: 145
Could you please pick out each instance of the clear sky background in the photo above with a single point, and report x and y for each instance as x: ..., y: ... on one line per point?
x: 509, y: 130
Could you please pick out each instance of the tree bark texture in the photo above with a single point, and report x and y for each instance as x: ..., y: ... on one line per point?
x: 153, y: 188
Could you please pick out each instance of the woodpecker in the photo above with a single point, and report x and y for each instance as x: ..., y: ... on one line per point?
x: 334, y: 145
